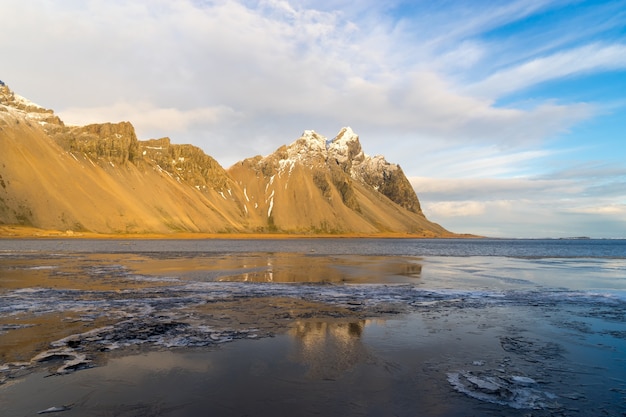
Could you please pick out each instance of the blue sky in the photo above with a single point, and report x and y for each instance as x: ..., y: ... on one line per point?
x: 508, y: 117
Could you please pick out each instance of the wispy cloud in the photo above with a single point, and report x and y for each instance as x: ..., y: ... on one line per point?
x: 459, y: 189
x: 471, y: 19
x: 149, y: 117
x: 581, y: 60
x: 469, y: 162
x: 270, y: 60
x: 552, y: 205
x: 618, y: 210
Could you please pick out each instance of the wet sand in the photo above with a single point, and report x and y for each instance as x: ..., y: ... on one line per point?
x: 315, y: 369
x: 180, y: 334
x: 400, y: 367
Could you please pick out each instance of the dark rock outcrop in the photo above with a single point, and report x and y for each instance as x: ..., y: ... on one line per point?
x: 186, y: 163
x: 386, y: 178
x: 111, y: 142
x: 389, y: 180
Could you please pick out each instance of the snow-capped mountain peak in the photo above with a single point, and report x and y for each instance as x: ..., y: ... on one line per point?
x: 346, y: 148
x: 311, y: 141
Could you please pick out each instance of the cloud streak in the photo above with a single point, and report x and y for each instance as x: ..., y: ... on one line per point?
x: 561, y: 202
x: 150, y: 118
x: 578, y: 61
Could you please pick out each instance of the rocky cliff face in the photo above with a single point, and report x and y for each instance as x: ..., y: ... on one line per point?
x: 185, y: 163
x: 386, y: 178
x: 330, y: 186
x: 108, y: 142
x: 101, y: 178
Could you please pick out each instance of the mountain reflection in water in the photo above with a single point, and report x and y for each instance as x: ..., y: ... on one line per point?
x: 291, y: 268
x: 328, y: 349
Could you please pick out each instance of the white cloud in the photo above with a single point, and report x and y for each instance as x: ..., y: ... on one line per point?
x: 617, y: 210
x: 148, y: 118
x: 523, y: 207
x: 456, y: 208
x: 473, y: 18
x: 271, y: 62
x: 475, y: 161
x: 581, y: 60
x: 487, y: 189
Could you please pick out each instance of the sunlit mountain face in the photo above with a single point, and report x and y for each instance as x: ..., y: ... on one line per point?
x: 100, y: 178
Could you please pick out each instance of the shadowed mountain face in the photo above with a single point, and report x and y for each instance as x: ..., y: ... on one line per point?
x: 101, y: 178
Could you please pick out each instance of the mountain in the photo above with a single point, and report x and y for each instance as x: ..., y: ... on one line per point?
x: 317, y: 185
x: 100, y: 178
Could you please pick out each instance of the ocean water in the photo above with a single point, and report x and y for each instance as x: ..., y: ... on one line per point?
x: 313, y: 326
x: 518, y: 248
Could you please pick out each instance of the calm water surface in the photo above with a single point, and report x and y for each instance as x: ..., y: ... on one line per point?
x: 313, y: 326
x: 519, y: 248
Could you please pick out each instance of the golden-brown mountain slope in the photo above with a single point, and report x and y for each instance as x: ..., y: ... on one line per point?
x: 316, y: 185
x: 100, y: 178
x: 90, y: 184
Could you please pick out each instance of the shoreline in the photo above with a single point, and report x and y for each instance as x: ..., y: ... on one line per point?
x: 23, y: 232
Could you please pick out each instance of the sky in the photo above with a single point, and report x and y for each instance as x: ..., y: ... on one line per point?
x: 508, y: 117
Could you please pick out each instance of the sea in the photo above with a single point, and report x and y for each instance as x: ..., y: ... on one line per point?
x: 319, y: 326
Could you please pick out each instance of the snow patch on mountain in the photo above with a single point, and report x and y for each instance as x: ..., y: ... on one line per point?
x: 346, y: 148
x: 27, y: 103
x: 269, y: 211
x: 314, y: 150
x: 19, y: 107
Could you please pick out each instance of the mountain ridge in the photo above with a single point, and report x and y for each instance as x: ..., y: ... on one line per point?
x: 101, y: 178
